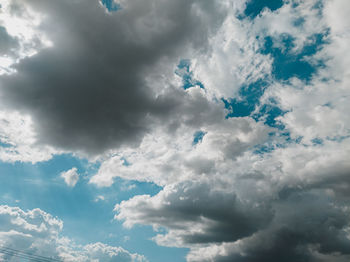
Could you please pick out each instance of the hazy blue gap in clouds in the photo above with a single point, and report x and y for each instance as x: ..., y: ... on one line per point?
x: 5, y: 145
x: 111, y: 5
x: 254, y: 7
x: 248, y: 98
x: 271, y: 145
x: 183, y: 70
x: 198, y: 137
x: 268, y: 113
x: 288, y: 64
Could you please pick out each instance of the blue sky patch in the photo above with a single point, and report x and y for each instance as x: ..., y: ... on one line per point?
x: 198, y: 137
x: 277, y: 139
x: 111, y: 5
x: 5, y: 145
x: 268, y: 114
x: 248, y: 99
x: 125, y: 162
x: 286, y: 63
x: 317, y: 141
x: 183, y: 70
x: 254, y: 7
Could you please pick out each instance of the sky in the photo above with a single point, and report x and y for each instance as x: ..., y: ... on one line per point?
x: 177, y: 131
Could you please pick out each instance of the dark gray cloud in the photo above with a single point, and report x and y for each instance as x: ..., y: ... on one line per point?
x: 196, y: 213
x: 7, y: 42
x: 298, y: 224
x: 88, y: 92
x: 307, y: 227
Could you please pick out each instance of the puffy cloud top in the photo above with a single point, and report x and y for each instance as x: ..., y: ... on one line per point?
x: 35, y: 232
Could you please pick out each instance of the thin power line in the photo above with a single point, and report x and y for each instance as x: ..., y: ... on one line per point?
x: 28, y: 257
x: 22, y: 254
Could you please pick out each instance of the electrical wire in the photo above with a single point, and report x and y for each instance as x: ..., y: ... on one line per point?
x: 21, y: 254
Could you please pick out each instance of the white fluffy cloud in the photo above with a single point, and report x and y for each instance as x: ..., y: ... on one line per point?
x: 233, y: 59
x: 167, y: 159
x: 18, y: 139
x: 70, y: 176
x: 36, y: 232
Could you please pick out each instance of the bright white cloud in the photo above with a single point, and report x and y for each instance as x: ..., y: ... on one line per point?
x: 166, y: 160
x: 39, y: 233
x: 70, y: 176
x: 233, y: 59
x: 18, y: 139
x: 22, y: 24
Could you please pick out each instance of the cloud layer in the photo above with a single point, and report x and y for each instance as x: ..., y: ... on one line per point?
x: 241, y: 119
x: 89, y: 90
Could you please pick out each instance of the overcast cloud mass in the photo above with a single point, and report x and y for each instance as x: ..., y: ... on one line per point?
x: 237, y: 110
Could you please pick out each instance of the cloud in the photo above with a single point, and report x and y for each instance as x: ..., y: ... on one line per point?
x: 88, y: 92
x: 70, y: 176
x: 195, y: 213
x: 20, y: 35
x: 249, y: 189
x: 18, y: 141
x: 233, y: 59
x: 7, y: 42
x: 290, y: 204
x: 296, y: 174
x: 317, y: 231
x: 36, y: 232
x: 174, y: 158
x: 99, y: 198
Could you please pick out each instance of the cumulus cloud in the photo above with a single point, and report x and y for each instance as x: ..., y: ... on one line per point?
x: 175, y: 158
x: 290, y: 204
x: 88, y: 91
x: 250, y: 189
x: 18, y: 139
x: 296, y: 175
x: 195, y: 213
x: 318, y: 231
x: 20, y: 36
x: 233, y: 59
x: 36, y: 232
x: 70, y: 176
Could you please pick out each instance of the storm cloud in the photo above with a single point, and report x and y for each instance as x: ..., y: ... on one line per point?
x: 195, y: 213
x: 88, y: 92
